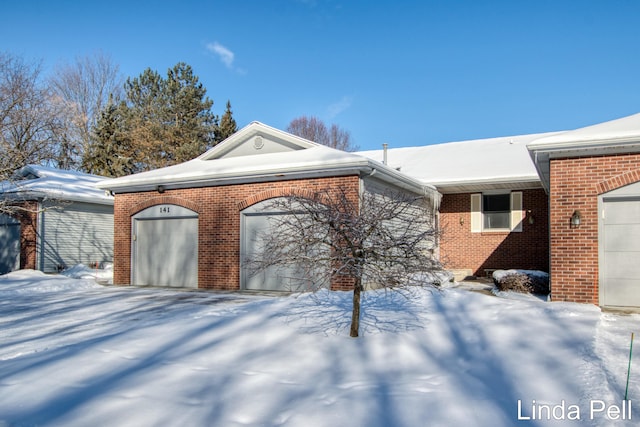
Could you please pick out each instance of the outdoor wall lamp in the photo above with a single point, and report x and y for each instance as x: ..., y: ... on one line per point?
x: 530, y: 217
x: 576, y: 218
x: 160, y: 189
x: 461, y: 220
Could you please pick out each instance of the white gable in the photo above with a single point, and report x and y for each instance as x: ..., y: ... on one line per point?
x: 257, y: 139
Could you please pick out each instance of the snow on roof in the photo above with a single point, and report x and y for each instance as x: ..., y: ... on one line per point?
x: 40, y: 182
x: 468, y: 165
x: 302, y: 159
x: 623, y: 130
x: 612, y: 137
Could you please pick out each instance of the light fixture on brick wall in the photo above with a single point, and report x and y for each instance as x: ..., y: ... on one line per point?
x: 530, y: 217
x: 160, y: 189
x: 576, y: 219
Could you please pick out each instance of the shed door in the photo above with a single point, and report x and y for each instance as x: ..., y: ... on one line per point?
x: 9, y: 244
x: 620, y: 252
x: 165, y: 247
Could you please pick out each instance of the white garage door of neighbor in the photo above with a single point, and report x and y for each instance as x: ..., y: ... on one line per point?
x: 9, y: 244
x: 165, y: 247
x: 620, y: 252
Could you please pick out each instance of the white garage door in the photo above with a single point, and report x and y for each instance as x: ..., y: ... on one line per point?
x: 9, y: 244
x: 256, y: 221
x: 165, y: 247
x: 620, y: 250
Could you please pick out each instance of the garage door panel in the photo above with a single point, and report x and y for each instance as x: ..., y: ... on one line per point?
x: 623, y: 293
x: 622, y: 237
x: 622, y: 265
x: 166, y: 250
x: 278, y: 278
x: 622, y: 212
x: 619, y: 242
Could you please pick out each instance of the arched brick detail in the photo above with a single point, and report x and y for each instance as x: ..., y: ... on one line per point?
x: 164, y: 200
x: 618, y: 181
x: 276, y: 192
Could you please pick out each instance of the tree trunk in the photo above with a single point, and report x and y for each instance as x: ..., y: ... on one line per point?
x: 355, y: 314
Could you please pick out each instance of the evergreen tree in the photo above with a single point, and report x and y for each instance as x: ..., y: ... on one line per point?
x: 166, y: 121
x: 191, y: 127
x: 110, y: 152
x: 227, y: 126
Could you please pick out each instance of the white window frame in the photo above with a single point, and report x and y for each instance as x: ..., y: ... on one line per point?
x: 477, y: 212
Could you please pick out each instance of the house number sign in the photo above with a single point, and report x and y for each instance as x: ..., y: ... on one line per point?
x: 165, y: 211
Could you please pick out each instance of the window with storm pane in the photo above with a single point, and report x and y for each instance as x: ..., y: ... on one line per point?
x: 496, y: 211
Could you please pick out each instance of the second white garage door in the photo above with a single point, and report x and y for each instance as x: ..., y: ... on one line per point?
x: 256, y: 221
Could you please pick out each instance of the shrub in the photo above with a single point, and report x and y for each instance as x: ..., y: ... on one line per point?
x: 523, y: 281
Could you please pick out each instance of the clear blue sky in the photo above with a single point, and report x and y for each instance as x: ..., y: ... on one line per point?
x: 402, y: 72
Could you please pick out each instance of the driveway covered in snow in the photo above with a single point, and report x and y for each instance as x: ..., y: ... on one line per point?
x: 74, y: 353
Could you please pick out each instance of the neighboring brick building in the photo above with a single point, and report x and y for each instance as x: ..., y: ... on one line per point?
x: 481, y: 252
x: 592, y: 176
x: 193, y: 224
x: 494, y: 211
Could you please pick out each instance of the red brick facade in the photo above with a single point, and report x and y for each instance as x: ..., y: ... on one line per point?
x: 218, y: 211
x: 575, y: 184
x: 462, y: 249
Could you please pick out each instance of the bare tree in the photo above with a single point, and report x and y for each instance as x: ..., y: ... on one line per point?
x: 316, y: 130
x: 28, y: 120
x: 372, y: 240
x: 82, y: 90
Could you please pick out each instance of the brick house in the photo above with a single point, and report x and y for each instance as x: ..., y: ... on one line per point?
x: 563, y: 202
x: 192, y: 224
x: 574, y: 206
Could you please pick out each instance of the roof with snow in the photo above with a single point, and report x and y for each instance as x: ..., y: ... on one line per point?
x: 41, y: 182
x: 612, y: 137
x: 466, y: 166
x: 260, y: 153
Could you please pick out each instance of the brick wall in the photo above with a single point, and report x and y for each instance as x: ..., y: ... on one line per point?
x: 462, y: 249
x: 27, y: 214
x: 574, y: 185
x: 219, y: 223
x: 28, y: 234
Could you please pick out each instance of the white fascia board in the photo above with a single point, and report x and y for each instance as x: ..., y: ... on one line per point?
x: 518, y: 183
x: 170, y: 184
x: 360, y: 167
x: 542, y: 154
x: 249, y: 131
x: 24, y: 196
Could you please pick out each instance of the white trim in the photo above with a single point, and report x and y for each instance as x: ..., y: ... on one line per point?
x: 516, y: 215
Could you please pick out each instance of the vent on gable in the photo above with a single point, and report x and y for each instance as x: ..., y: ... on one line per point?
x: 258, y: 143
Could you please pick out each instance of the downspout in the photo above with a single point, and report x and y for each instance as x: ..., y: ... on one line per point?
x: 40, y: 238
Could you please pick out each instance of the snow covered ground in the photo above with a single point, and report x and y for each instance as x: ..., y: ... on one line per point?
x: 74, y: 353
